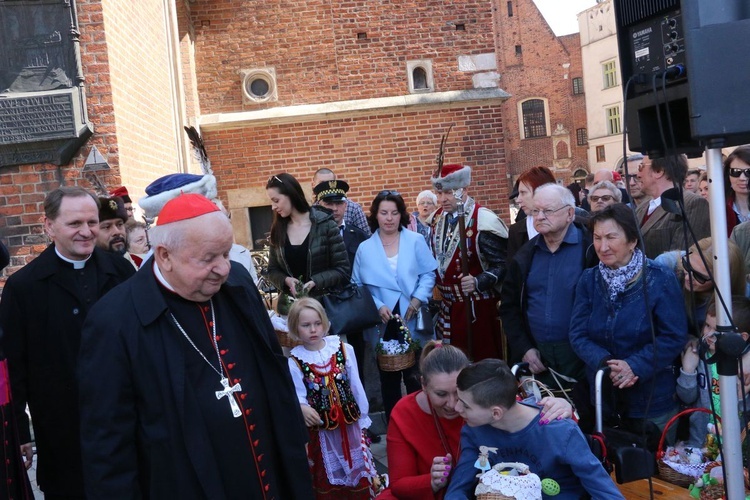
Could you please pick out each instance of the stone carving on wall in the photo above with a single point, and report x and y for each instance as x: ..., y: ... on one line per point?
x: 43, y: 115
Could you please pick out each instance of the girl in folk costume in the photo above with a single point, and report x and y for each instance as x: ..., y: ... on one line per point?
x: 333, y: 403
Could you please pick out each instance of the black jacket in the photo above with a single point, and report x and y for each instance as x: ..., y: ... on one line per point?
x: 42, y: 315
x: 513, y: 298
x: 353, y: 237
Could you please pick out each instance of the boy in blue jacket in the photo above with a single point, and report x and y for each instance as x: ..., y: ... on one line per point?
x: 494, y: 419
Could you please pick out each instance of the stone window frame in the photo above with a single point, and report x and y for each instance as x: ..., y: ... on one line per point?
x: 612, y: 116
x: 529, y: 125
x: 424, y: 65
x: 249, y: 76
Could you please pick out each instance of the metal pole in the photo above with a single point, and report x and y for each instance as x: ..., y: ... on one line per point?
x: 730, y: 436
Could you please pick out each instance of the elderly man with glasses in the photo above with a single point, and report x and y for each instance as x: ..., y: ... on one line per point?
x: 538, y: 293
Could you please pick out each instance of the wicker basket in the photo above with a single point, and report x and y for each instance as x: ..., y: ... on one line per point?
x: 666, y: 472
x: 396, y: 362
x: 286, y: 340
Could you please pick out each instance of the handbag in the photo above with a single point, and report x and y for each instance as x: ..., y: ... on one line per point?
x: 425, y: 325
x: 350, y: 309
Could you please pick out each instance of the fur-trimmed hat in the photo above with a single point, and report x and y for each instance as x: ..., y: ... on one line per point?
x: 112, y: 208
x: 170, y: 186
x: 452, y: 177
x: 122, y: 192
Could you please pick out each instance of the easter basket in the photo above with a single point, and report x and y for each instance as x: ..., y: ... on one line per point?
x: 282, y: 331
x: 498, y: 484
x: 675, y: 472
x: 399, y: 353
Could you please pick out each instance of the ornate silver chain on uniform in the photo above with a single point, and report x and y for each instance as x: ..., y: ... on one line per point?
x: 227, y: 391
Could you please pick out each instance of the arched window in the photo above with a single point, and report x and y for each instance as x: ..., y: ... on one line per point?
x: 419, y: 76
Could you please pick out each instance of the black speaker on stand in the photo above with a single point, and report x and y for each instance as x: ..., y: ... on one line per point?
x: 686, y: 60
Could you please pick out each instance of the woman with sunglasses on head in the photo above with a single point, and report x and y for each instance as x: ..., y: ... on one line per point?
x: 398, y: 269
x: 307, y: 251
x: 737, y: 186
x: 611, y: 321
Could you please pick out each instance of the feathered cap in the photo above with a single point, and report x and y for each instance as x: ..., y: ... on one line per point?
x: 452, y: 177
x: 170, y: 186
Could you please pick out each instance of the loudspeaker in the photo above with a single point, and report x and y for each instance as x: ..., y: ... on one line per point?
x: 685, y: 61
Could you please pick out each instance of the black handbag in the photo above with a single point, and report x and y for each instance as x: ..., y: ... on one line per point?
x: 350, y: 309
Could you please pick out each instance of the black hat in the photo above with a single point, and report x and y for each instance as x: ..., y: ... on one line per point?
x: 112, y: 208
x: 334, y: 190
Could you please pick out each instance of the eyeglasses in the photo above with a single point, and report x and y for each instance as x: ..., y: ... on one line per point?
x: 631, y: 177
x: 643, y: 165
x: 737, y: 172
x: 606, y: 198
x: 388, y: 192
x: 546, y: 212
x: 698, y: 277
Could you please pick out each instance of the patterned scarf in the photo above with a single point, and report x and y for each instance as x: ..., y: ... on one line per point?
x: 617, y: 279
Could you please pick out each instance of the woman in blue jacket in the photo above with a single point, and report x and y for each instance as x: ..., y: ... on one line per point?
x: 610, y: 325
x: 398, y: 269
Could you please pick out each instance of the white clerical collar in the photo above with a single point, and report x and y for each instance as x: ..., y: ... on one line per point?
x: 77, y: 264
x: 653, y: 205
x: 160, y: 277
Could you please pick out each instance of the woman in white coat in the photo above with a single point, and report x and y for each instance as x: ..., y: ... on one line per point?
x: 398, y: 268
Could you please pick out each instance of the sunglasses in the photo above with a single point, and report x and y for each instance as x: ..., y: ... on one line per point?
x: 275, y: 178
x: 606, y: 198
x: 737, y: 172
x: 388, y: 192
x: 698, y: 277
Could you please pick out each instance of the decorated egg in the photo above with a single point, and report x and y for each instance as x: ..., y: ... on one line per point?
x: 550, y: 487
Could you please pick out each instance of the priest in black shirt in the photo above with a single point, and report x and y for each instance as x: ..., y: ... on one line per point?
x: 184, y: 390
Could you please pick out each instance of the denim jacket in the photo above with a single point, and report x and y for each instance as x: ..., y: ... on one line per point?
x: 602, y: 329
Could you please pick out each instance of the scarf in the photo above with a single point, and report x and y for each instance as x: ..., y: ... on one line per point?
x: 617, y: 279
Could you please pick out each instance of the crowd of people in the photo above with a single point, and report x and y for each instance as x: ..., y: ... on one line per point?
x: 151, y: 368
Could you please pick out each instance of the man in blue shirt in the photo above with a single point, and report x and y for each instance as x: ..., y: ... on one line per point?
x: 538, y: 293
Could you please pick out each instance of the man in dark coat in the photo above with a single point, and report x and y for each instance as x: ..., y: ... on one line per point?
x: 185, y: 392
x: 42, y: 312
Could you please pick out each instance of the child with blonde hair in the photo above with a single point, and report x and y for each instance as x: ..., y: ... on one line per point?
x: 333, y: 403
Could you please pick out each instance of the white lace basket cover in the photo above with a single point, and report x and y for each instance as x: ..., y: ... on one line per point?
x: 526, y: 486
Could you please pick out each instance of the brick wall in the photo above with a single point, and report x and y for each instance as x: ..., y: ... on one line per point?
x: 315, y: 49
x: 389, y: 150
x: 538, y: 72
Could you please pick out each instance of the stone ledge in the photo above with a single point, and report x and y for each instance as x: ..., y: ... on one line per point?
x: 347, y: 109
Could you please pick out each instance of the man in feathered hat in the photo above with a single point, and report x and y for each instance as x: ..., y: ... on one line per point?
x: 486, y: 241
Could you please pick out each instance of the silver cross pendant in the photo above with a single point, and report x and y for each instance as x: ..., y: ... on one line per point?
x: 227, y: 391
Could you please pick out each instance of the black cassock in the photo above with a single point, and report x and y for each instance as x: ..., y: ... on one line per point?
x: 152, y: 424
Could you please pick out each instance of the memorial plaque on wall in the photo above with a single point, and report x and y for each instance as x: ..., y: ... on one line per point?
x: 43, y: 115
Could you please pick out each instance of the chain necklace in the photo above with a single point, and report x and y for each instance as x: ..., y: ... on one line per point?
x: 389, y: 244
x: 226, y: 391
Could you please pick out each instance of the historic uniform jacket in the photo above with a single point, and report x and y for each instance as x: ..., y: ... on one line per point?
x: 42, y: 312
x: 143, y: 431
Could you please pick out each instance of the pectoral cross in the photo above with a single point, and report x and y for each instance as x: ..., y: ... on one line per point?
x: 227, y: 391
